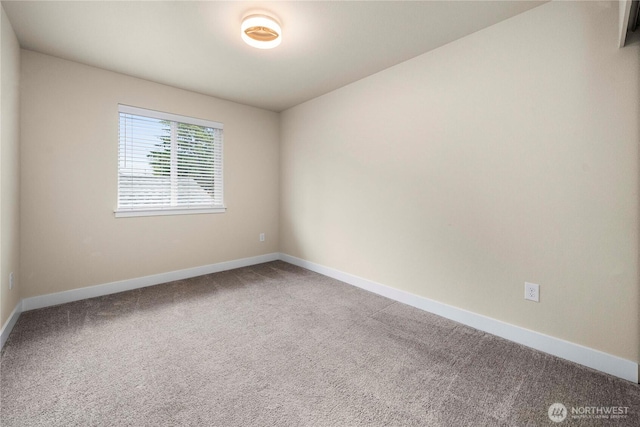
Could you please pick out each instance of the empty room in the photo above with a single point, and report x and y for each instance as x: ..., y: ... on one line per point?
x: 320, y: 213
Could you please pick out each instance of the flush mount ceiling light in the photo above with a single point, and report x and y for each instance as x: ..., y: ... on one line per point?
x: 261, y: 31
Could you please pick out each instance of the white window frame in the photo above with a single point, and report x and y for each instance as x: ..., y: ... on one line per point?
x: 123, y: 213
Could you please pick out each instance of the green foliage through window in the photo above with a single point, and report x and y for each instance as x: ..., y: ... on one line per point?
x: 165, y: 164
x: 195, y: 146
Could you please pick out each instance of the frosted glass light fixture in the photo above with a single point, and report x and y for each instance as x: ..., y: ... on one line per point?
x: 261, y: 31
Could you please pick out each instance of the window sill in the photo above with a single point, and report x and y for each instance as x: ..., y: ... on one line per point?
x: 177, y: 211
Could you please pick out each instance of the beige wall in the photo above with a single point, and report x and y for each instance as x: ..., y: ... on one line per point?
x: 508, y: 156
x: 70, y: 237
x: 9, y: 167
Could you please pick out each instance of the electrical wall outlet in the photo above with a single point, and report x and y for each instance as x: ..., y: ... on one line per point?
x: 11, y: 280
x: 531, y: 292
x: 262, y: 237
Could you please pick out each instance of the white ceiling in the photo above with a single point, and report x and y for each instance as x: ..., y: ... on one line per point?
x: 197, y: 45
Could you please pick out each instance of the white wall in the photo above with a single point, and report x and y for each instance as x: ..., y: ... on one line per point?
x: 70, y: 237
x: 9, y: 167
x: 508, y: 156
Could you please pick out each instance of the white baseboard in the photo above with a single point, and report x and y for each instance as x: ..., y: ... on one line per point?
x: 577, y: 353
x: 10, y: 323
x: 57, y: 298
x: 48, y: 300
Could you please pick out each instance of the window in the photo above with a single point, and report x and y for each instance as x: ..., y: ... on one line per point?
x: 168, y: 164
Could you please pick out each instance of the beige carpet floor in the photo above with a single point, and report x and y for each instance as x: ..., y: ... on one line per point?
x: 277, y: 345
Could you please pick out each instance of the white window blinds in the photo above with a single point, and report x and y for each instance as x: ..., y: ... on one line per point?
x: 168, y: 164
